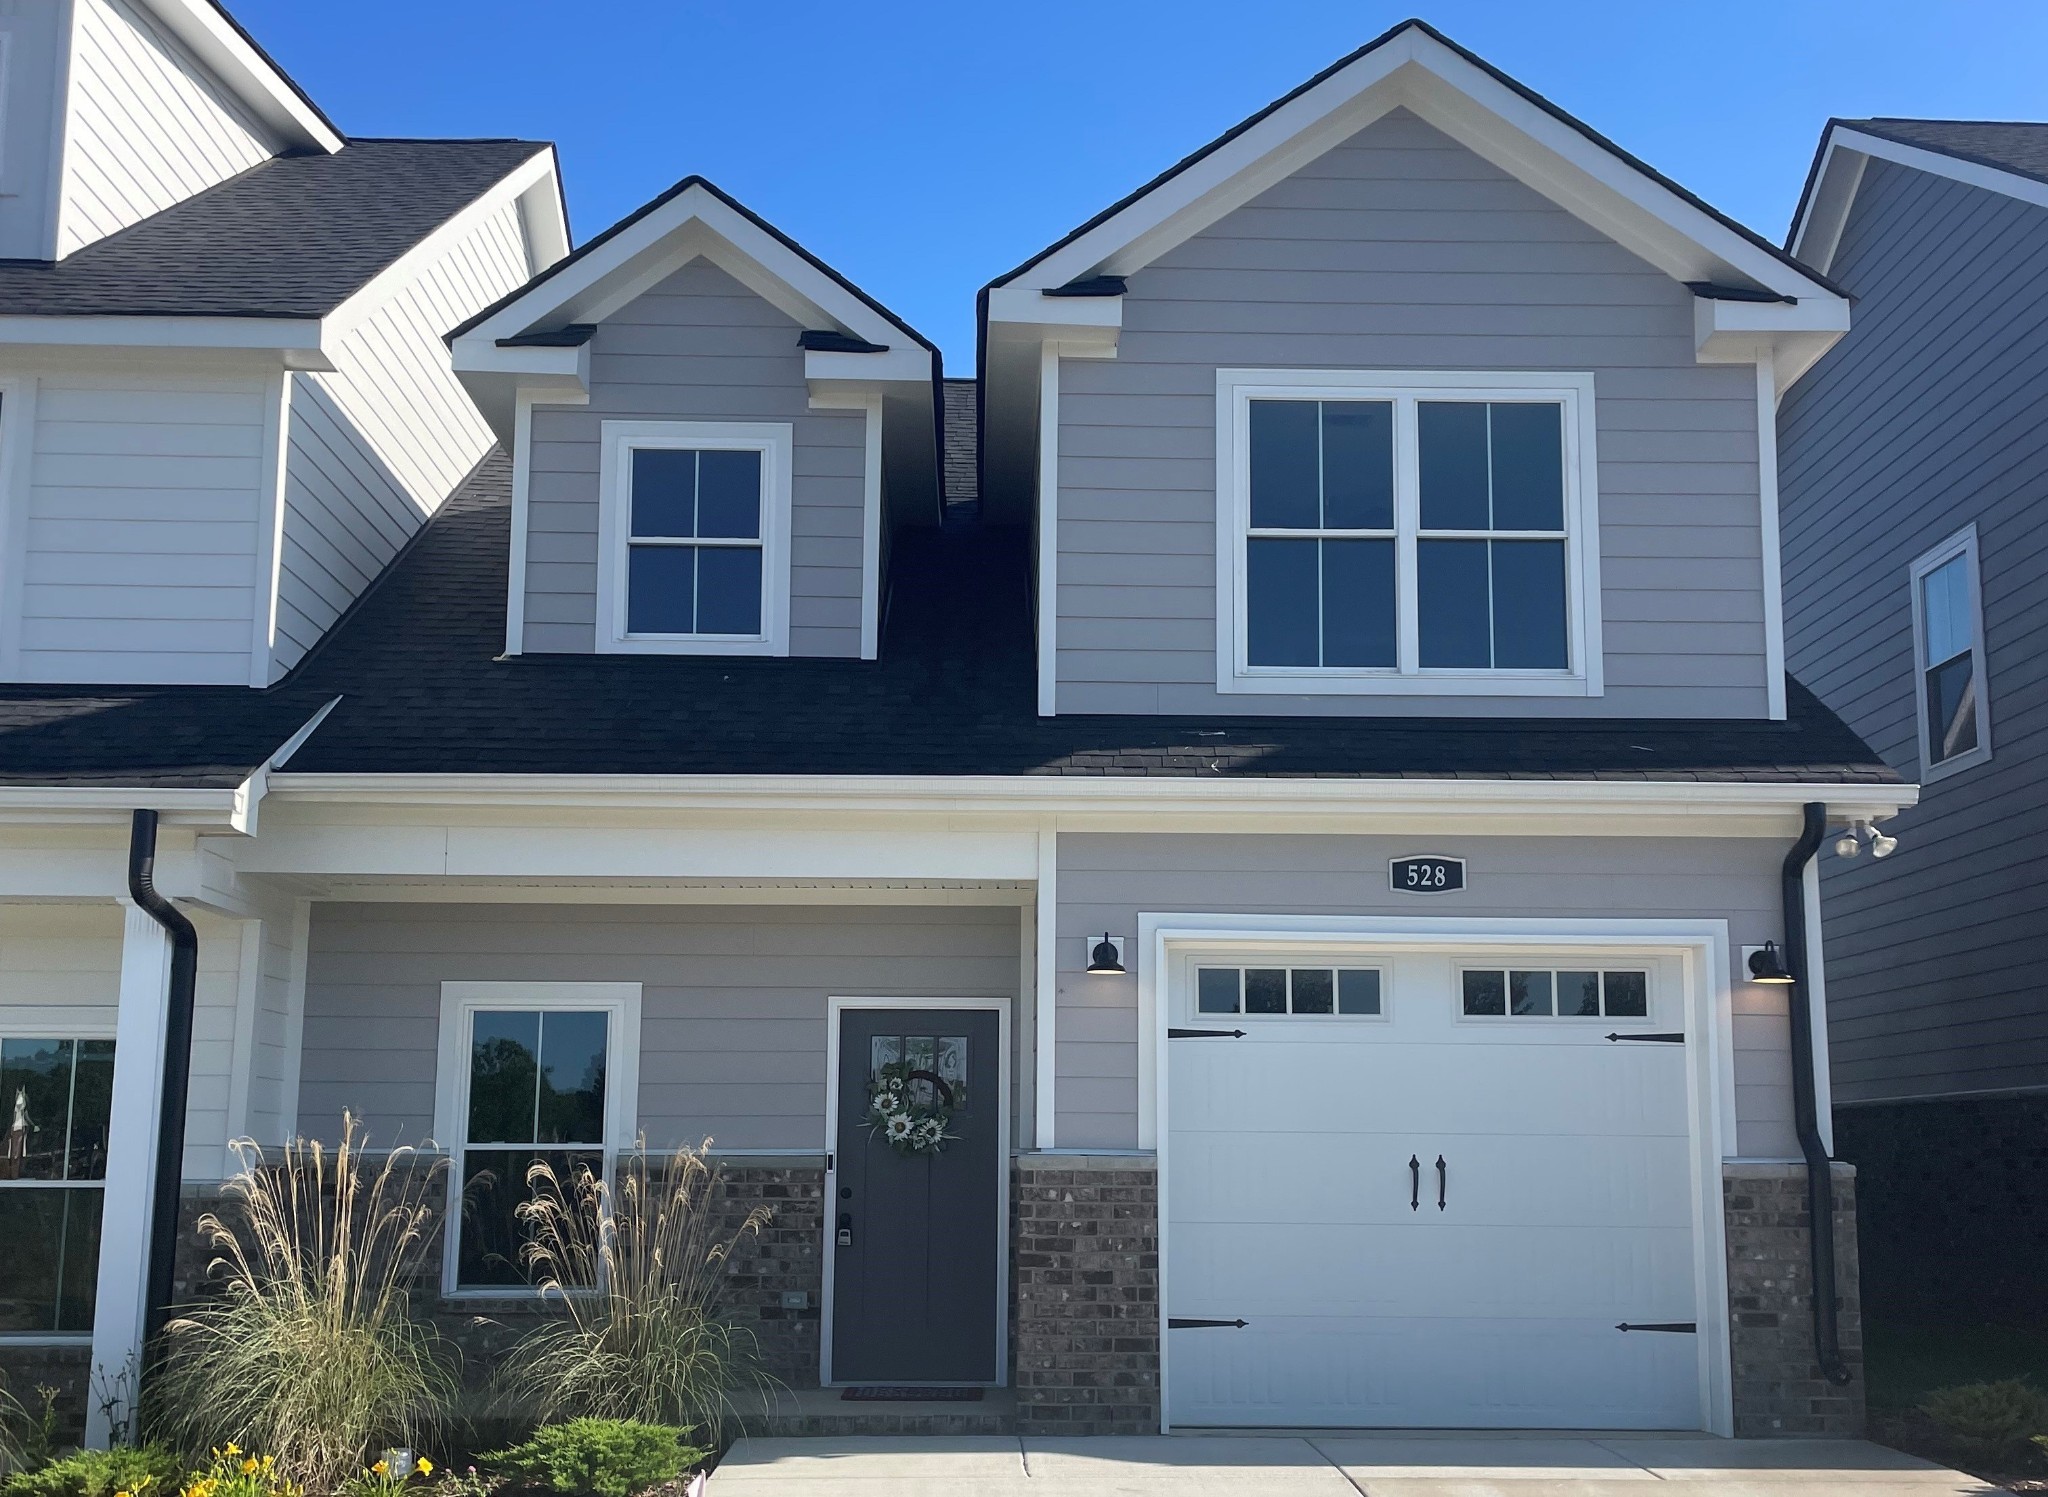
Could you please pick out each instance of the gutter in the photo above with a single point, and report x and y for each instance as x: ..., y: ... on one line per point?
x: 1820, y: 1185
x: 177, y: 1077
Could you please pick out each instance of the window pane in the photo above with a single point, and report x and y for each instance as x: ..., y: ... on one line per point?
x: 1628, y: 995
x: 1578, y: 994
x: 572, y: 1068
x: 1456, y: 626
x: 1280, y: 621
x: 1528, y: 605
x: 1284, y: 464
x: 504, y: 1077
x: 1358, y: 991
x: 493, y: 1185
x: 35, y: 1104
x: 1358, y: 602
x: 1265, y: 990
x: 1216, y: 990
x: 1945, y: 609
x: 1528, y: 466
x: 1486, y: 993
x: 1452, y: 435
x: 92, y: 1105
x: 664, y: 491
x: 1315, y: 991
x: 1358, y: 465
x: 1952, y: 708
x: 661, y: 587
x: 729, y: 590
x: 1529, y: 992
x: 729, y: 494
x: 53, y: 1255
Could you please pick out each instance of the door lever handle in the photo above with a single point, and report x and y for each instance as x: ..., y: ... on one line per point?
x: 1414, y: 1183
x: 1442, y: 1178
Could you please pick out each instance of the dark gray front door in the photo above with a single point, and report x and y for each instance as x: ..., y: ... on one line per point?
x: 914, y: 1269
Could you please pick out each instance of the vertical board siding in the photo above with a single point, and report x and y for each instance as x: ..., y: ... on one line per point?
x: 1925, y: 418
x: 143, y: 505
x: 149, y: 125
x: 1107, y: 881
x: 376, y: 445
x: 733, y: 1008
x: 1402, y: 250
x: 698, y: 347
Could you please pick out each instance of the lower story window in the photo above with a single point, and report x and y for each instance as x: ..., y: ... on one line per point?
x: 1519, y: 992
x: 55, y: 1100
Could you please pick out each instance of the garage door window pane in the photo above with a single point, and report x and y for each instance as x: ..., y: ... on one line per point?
x: 1315, y: 991
x: 1578, y: 994
x: 1529, y: 992
x: 1628, y: 995
x: 1486, y: 993
x: 1216, y: 990
x: 1265, y: 991
x: 1358, y: 991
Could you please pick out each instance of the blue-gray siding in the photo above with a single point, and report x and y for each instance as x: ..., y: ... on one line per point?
x: 1928, y: 416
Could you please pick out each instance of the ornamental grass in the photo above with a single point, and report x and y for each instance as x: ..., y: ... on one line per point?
x: 638, y: 1270
x: 311, y: 1352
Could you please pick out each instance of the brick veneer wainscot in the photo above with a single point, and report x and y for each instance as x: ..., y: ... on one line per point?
x: 1086, y: 1251
x: 1778, y: 1386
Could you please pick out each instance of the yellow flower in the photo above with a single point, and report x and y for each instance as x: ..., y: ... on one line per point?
x: 381, y: 1469
x: 233, y: 1449
x: 248, y: 1466
x: 424, y: 1466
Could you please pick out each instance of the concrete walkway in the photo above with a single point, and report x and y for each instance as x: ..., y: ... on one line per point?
x: 1334, y: 1465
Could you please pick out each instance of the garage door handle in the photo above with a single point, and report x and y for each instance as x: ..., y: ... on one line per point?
x: 1414, y: 1183
x: 1442, y: 1178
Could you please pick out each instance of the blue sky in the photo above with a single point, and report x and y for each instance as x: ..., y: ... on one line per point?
x: 923, y: 149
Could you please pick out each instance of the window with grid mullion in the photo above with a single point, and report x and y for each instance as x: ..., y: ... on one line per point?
x: 694, y: 544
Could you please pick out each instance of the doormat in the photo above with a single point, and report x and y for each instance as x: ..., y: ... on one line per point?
x: 882, y: 1393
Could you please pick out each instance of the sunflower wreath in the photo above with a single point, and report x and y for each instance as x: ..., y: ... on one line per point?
x: 906, y: 1124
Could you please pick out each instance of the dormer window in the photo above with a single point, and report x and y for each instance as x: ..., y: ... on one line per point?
x: 1417, y: 533
x: 694, y: 537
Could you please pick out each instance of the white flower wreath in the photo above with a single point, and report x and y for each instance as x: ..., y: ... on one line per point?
x: 909, y: 1125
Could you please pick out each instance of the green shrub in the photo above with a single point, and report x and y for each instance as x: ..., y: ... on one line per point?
x: 598, y: 1457
x: 1990, y: 1421
x: 151, y: 1470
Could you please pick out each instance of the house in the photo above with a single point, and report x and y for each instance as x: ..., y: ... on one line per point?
x: 1325, y: 824
x: 1913, y: 458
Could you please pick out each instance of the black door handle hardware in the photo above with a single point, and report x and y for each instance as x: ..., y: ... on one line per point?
x: 1414, y: 1183
x: 845, y: 1234
x: 1442, y: 1177
x: 1655, y: 1039
x: 1205, y: 1034
x: 1173, y: 1324
x: 1681, y: 1327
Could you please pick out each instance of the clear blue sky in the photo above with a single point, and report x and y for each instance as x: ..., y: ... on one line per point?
x: 924, y: 148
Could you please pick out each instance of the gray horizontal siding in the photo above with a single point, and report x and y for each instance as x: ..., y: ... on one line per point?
x: 1927, y: 417
x: 698, y: 347
x: 1400, y: 249
x: 733, y: 1007
x: 1107, y: 881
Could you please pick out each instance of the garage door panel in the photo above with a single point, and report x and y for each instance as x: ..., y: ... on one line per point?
x: 1252, y: 1178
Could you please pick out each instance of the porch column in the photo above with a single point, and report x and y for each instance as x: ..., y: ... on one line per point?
x: 131, y: 1173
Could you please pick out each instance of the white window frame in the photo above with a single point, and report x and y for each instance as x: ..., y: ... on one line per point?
x: 460, y: 1002
x: 1963, y: 543
x: 65, y: 1031
x: 775, y: 441
x: 1237, y: 388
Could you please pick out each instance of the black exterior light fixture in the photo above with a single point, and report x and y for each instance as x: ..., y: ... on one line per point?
x: 1767, y: 966
x: 1104, y: 960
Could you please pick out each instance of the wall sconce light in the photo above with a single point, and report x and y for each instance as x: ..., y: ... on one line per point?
x: 1851, y: 841
x: 1106, y: 957
x: 1765, y: 965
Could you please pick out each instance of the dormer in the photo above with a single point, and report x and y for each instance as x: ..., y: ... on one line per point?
x: 714, y: 436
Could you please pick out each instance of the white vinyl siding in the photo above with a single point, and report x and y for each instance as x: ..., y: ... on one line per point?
x: 149, y: 126
x: 378, y: 444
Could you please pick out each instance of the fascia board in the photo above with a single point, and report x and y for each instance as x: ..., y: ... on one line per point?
x: 1792, y: 338
x: 899, y: 365
x: 1027, y: 314
x: 1824, y: 211
x: 222, y: 809
x: 255, y: 79
x: 286, y: 335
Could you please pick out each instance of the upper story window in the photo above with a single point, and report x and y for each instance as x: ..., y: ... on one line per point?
x: 694, y: 537
x: 1948, y: 648
x: 1406, y: 533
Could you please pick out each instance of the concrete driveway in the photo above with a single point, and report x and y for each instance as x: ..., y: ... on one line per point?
x: 1334, y: 1465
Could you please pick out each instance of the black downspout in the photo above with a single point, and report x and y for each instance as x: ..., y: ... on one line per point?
x: 1820, y: 1181
x: 177, y: 1080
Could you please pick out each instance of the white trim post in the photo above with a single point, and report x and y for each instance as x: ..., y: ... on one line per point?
x: 1048, y: 511
x: 1044, y: 1018
x: 1774, y: 573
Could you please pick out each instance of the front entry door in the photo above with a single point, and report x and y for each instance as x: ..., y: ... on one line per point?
x: 914, y: 1269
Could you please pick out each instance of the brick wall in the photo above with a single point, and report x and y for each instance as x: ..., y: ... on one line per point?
x: 1778, y: 1386
x: 1086, y: 1255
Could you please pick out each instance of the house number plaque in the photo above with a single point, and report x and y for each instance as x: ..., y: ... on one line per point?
x: 1426, y: 875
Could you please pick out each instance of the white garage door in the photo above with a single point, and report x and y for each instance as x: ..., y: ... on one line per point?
x: 1431, y: 1188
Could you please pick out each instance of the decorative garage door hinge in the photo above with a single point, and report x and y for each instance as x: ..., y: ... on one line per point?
x: 1654, y: 1039
x: 1682, y: 1327
x: 1205, y: 1034
x: 1200, y: 1325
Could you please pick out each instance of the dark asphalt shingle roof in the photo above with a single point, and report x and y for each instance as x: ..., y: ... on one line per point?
x: 425, y: 690
x: 294, y: 236
x: 963, y: 468
x: 2010, y: 145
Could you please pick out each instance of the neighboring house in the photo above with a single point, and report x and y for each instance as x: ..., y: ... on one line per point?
x: 1914, y: 458
x: 1315, y: 806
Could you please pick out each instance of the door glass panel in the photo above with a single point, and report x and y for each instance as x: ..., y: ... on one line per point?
x: 1486, y: 993
x: 951, y: 1065
x: 1578, y: 994
x: 1216, y: 990
x: 1628, y: 995
x: 1358, y: 990
x: 1315, y: 991
x: 883, y: 1050
x: 1529, y: 992
x: 1265, y: 990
